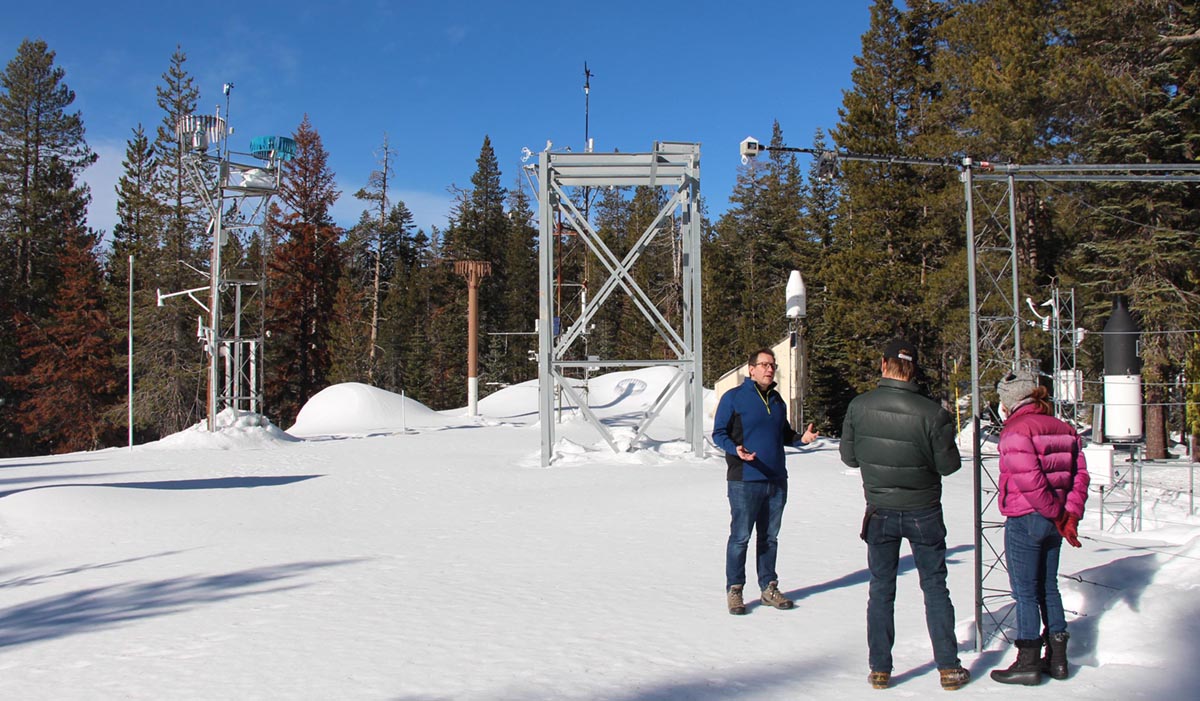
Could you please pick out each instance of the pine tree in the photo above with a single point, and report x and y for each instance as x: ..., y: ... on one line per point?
x: 302, y: 278
x: 171, y: 364
x: 1002, y: 84
x: 405, y: 334
x: 657, y: 272
x: 612, y: 218
x: 390, y: 247
x: 760, y: 240
x: 520, y: 268
x: 140, y: 213
x: 72, y: 384
x: 350, y: 335
x: 895, y: 226
x: 137, y: 233
x: 479, y: 230
x: 822, y: 332
x: 377, y: 243
x: 1140, y: 62
x: 42, y: 155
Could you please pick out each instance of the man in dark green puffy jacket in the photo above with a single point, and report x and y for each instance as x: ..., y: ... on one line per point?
x: 904, y: 443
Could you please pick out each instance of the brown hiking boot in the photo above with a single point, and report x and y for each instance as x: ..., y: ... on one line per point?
x: 771, y: 596
x: 879, y: 680
x: 954, y: 678
x: 733, y: 597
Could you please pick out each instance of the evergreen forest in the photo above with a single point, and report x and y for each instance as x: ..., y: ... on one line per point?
x: 881, y: 245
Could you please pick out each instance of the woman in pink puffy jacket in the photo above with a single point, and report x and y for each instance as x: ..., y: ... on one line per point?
x: 1043, y: 487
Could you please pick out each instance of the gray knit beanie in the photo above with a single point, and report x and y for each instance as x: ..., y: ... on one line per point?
x: 1015, y: 387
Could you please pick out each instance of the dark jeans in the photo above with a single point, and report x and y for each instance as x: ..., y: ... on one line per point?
x: 926, y: 533
x: 757, y: 506
x: 1031, y: 548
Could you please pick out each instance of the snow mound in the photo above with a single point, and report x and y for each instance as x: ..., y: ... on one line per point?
x: 355, y: 408
x: 235, y: 430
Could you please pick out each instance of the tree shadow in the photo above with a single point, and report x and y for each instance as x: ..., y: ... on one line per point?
x: 40, y: 463
x: 59, y: 478
x: 204, y: 483
x: 97, y: 608
x: 39, y: 579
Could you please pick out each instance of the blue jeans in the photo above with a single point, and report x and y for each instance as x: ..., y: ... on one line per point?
x: 926, y: 534
x: 758, y: 506
x: 1031, y: 548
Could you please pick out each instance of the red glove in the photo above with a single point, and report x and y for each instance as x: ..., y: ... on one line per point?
x: 1067, y: 524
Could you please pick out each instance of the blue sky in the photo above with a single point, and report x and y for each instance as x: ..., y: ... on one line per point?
x: 438, y: 77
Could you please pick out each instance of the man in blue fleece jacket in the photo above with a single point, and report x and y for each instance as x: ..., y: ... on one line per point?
x: 751, y: 426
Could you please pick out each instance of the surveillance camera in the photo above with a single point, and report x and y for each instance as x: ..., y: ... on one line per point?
x: 751, y: 147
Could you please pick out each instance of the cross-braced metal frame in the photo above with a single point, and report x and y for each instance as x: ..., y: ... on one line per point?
x: 236, y: 196
x: 671, y: 165
x: 996, y: 337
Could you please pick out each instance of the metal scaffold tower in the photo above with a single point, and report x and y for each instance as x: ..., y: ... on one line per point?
x: 235, y: 189
x: 671, y: 165
x: 994, y: 294
x: 996, y: 339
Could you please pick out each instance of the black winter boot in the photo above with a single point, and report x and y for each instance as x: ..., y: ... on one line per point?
x: 1054, y: 664
x: 1027, y: 670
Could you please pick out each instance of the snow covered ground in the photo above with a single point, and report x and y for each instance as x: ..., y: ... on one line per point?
x: 380, y: 550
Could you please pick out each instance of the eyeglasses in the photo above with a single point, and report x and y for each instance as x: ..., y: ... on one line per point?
x: 767, y: 366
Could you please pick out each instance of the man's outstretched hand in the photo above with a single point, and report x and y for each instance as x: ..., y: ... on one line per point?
x: 809, y: 435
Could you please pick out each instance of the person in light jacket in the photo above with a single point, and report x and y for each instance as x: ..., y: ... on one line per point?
x: 1043, y: 487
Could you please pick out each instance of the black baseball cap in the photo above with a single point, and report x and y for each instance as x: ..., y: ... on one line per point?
x: 902, y: 350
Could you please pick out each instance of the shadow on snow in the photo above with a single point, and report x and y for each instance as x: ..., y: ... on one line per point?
x: 88, y: 610
x: 203, y: 483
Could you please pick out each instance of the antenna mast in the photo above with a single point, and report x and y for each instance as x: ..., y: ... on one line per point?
x: 587, y: 93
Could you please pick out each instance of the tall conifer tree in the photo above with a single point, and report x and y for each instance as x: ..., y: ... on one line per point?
x: 42, y: 155
x: 1140, y: 62
x: 890, y: 234
x: 302, y: 278
x: 761, y: 239
x: 72, y: 383
x: 479, y: 230
x: 170, y: 387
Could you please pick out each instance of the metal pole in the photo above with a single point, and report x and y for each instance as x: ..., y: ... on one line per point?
x: 254, y: 407
x: 546, y: 240
x: 236, y: 379
x: 130, y: 352
x: 803, y: 375
x: 214, y: 337
x: 1016, y: 292
x: 977, y: 457
x: 797, y: 405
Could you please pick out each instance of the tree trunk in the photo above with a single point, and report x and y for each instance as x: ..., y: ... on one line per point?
x: 1156, y: 430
